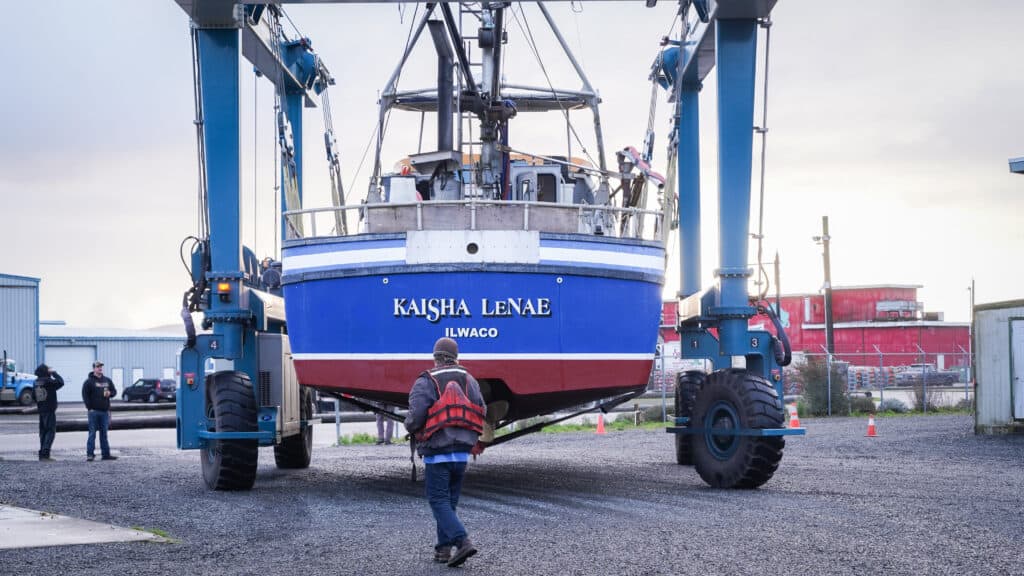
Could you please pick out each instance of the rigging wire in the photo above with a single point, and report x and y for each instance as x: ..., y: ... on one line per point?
x: 579, y: 35
x: 525, y: 29
x: 763, y: 278
x: 289, y: 169
x: 583, y: 63
x: 672, y: 27
x: 255, y: 160
x: 298, y: 34
x: 203, y: 217
x: 276, y: 179
x: 366, y: 150
x: 382, y: 125
x: 334, y: 164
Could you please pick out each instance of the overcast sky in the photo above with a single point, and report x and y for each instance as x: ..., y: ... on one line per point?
x: 895, y: 119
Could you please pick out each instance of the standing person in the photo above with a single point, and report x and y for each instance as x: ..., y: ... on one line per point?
x: 446, y: 414
x: 47, y: 384
x: 270, y: 276
x: 97, y: 390
x: 385, y: 426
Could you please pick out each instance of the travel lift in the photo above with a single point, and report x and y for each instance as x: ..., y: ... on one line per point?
x: 729, y: 423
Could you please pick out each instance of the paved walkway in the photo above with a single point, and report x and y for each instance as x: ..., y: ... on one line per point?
x: 23, y: 528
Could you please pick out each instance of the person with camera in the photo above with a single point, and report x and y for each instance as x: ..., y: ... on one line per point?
x: 97, y: 390
x: 47, y: 384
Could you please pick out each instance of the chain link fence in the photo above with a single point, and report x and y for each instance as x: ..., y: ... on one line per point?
x: 924, y: 380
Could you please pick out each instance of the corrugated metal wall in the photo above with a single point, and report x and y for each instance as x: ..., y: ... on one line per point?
x: 19, y: 320
x: 152, y: 355
x: 994, y: 366
x: 856, y: 343
x: 858, y: 304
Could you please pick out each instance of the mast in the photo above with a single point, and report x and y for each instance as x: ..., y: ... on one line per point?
x: 490, y: 35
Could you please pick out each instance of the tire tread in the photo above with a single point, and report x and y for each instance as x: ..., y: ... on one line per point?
x: 756, y: 458
x: 234, y: 406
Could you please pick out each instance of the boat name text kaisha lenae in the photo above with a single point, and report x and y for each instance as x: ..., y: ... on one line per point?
x: 434, y: 309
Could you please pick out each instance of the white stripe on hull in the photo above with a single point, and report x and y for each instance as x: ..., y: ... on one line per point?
x: 427, y: 357
x: 395, y: 256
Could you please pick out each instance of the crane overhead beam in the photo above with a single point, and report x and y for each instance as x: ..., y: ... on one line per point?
x: 224, y: 13
x: 258, y: 48
x: 1017, y: 165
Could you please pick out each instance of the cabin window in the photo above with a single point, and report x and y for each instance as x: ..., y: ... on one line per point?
x: 525, y: 189
x: 547, y: 188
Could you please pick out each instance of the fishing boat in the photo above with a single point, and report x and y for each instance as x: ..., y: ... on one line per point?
x: 546, y: 268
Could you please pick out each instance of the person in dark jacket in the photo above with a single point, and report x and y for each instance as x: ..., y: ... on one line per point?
x: 97, y: 390
x: 446, y: 452
x: 47, y: 384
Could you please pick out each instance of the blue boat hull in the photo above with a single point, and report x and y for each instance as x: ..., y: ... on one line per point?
x: 542, y: 336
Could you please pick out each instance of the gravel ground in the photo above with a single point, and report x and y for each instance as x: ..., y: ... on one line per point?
x: 925, y: 497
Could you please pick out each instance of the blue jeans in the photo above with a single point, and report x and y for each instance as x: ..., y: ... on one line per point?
x: 47, y: 430
x: 99, y: 420
x: 444, y: 484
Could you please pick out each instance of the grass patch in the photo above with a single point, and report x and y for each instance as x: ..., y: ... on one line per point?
x: 364, y: 438
x: 930, y: 412
x: 158, y: 532
x: 360, y: 438
x: 618, y: 425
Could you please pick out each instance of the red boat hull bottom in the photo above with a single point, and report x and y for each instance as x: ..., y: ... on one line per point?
x: 530, y: 386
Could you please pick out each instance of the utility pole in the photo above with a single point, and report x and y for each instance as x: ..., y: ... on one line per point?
x: 778, y: 288
x: 970, y: 337
x: 778, y: 307
x: 824, y: 239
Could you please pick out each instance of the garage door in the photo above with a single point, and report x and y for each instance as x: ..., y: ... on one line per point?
x: 1017, y: 374
x: 73, y: 363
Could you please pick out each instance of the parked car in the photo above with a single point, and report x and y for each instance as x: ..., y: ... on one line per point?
x: 151, y: 390
x: 917, y: 374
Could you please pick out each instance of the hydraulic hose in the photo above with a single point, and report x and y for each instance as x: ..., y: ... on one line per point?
x: 767, y: 310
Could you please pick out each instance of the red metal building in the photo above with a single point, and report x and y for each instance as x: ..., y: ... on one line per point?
x: 873, y: 325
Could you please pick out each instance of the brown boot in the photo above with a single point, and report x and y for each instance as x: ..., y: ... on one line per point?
x: 462, y: 553
x: 443, y: 555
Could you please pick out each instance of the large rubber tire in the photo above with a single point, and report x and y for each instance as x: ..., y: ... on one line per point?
x: 295, y: 452
x: 737, y: 399
x: 152, y: 398
x: 688, y: 384
x: 231, y: 464
x: 27, y: 397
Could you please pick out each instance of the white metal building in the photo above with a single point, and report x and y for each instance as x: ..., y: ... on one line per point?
x: 19, y: 320
x: 127, y: 355
x: 999, y: 367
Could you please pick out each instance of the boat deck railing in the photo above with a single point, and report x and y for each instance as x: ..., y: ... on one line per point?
x: 476, y: 214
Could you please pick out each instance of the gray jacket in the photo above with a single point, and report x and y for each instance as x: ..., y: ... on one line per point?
x: 446, y: 440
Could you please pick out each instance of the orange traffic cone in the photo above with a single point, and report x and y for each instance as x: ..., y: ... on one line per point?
x: 600, y: 423
x: 794, y: 418
x: 871, y: 427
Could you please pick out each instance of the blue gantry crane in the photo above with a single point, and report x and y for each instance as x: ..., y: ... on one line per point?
x: 239, y: 389
x: 730, y: 423
x: 238, y: 386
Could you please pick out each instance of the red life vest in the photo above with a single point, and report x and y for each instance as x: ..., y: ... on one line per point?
x: 453, y: 408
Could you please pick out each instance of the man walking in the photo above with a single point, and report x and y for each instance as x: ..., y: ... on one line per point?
x: 446, y: 414
x: 97, y: 390
x: 47, y: 384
